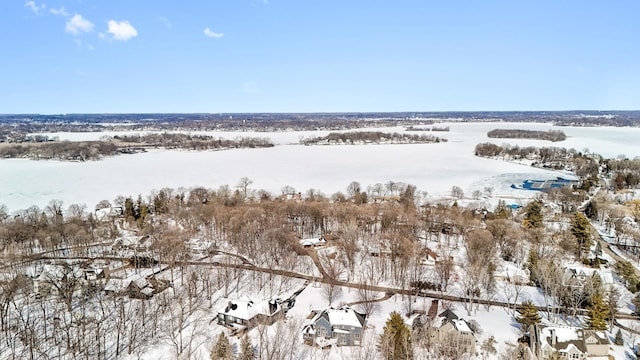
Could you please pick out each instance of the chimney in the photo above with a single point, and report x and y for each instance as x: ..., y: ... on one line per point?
x: 554, y: 338
x: 273, y: 306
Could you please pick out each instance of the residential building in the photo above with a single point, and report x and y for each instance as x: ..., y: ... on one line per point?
x: 567, y: 342
x: 343, y: 326
x: 244, y: 315
x: 453, y: 334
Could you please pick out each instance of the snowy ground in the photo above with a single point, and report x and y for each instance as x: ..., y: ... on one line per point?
x: 433, y: 168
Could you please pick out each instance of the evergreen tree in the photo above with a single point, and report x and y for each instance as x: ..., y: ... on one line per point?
x: 591, y: 210
x: 246, y: 349
x: 222, y: 349
x: 636, y: 302
x: 532, y: 263
x: 618, y: 340
x: 528, y: 315
x: 581, y: 230
x: 395, y: 341
x: 598, y: 313
x: 502, y: 210
x: 598, y: 251
x: 533, y: 215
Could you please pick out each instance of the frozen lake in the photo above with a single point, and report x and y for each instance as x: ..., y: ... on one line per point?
x: 433, y: 168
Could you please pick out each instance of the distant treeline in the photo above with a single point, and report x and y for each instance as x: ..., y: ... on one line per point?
x: 62, y: 150
x: 194, y: 142
x: 371, y: 137
x: 543, y: 154
x: 15, y: 128
x: 95, y: 150
x: 551, y: 135
x: 434, y: 128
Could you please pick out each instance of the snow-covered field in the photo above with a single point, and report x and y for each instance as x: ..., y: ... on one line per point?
x: 433, y: 168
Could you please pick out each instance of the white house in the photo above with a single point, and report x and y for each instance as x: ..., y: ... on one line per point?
x: 567, y: 342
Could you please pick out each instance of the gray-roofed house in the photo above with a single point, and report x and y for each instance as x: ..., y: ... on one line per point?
x: 343, y: 326
x: 453, y: 334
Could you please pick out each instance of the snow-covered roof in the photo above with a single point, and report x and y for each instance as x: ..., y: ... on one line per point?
x: 52, y: 272
x: 509, y: 270
x: 562, y: 333
x: 246, y: 310
x: 116, y: 285
x: 312, y: 241
x: 567, y: 337
x: 606, y: 275
x: 462, y: 326
x: 344, y: 316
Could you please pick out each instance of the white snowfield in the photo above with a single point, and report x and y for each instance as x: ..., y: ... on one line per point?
x: 433, y: 168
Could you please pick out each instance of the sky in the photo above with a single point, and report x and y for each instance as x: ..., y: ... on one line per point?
x: 211, y: 56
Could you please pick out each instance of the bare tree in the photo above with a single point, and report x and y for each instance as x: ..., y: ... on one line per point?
x: 456, y: 192
x: 243, y: 186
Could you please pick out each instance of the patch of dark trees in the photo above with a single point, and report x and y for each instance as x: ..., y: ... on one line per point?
x: 142, y: 262
x: 60, y: 150
x: 551, y: 135
x: 421, y: 285
x: 95, y: 150
x: 371, y: 137
x: 433, y: 128
x: 194, y: 142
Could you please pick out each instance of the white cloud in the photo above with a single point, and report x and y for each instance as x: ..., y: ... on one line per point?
x: 59, y: 12
x: 77, y: 24
x: 121, y: 30
x: 209, y: 33
x: 35, y: 7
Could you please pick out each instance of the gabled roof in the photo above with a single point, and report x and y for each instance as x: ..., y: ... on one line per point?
x: 344, y: 316
x: 449, y: 315
x: 567, y: 337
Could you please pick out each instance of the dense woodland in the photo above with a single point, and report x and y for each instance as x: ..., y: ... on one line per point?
x: 370, y: 137
x: 551, y: 135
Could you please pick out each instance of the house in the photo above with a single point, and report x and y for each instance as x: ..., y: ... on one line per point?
x: 244, y: 315
x: 579, y: 276
x: 133, y: 243
x: 568, y: 342
x: 200, y: 246
x: 453, y: 334
x: 312, y: 242
x: 511, y: 274
x: 379, y: 251
x: 343, y: 326
x: 57, y: 277
x: 145, y: 288
x: 428, y: 258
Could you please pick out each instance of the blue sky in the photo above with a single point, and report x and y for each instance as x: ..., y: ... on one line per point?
x: 88, y: 56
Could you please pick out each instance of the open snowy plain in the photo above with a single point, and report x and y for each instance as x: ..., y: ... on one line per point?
x: 433, y: 168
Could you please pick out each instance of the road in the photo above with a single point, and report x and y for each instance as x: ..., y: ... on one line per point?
x: 325, y: 278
